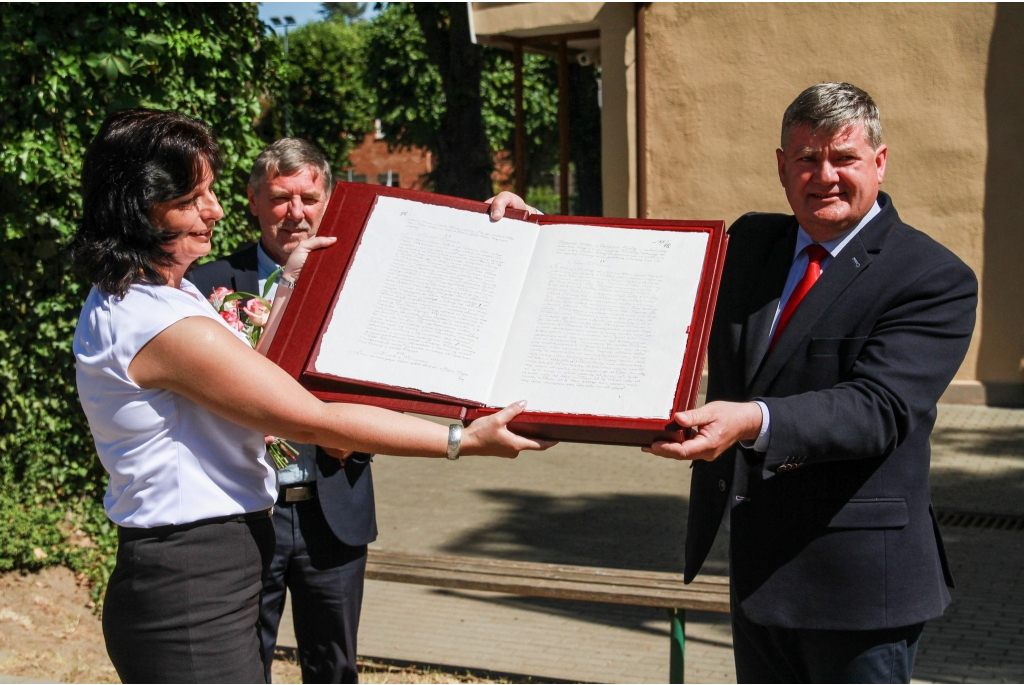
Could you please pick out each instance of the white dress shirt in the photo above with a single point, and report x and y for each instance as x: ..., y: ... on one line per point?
x: 170, y: 460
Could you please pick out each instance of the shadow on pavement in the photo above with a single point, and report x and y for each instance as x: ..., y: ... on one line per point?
x: 978, y: 470
x: 627, y: 531
x: 1005, y: 441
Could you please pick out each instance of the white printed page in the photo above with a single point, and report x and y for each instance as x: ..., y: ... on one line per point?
x: 601, y: 327
x: 429, y: 299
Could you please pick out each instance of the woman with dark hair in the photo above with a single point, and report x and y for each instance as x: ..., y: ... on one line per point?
x: 178, y: 404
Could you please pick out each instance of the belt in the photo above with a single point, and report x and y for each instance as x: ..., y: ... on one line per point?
x: 251, y: 516
x: 300, y: 492
x: 127, y: 534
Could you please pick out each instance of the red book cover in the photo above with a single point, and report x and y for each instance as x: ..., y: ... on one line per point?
x: 299, y: 340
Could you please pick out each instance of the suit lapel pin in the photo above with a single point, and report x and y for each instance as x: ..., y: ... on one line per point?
x: 856, y: 264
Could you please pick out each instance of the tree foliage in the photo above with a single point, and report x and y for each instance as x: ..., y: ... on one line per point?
x: 464, y: 165
x: 426, y: 77
x: 405, y: 82
x: 63, y: 68
x: 343, y: 11
x: 540, y: 109
x: 411, y: 100
x: 323, y: 84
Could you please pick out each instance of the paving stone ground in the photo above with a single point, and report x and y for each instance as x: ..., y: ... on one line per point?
x: 606, y: 506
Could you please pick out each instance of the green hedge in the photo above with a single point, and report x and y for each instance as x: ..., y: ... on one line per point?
x: 63, y: 68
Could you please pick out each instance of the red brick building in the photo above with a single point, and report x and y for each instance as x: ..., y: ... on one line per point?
x: 372, y: 163
x: 408, y: 168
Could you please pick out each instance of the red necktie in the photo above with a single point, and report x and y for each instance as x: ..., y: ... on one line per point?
x: 815, y: 253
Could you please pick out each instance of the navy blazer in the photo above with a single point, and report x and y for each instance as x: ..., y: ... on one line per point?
x: 832, y: 527
x: 345, y: 493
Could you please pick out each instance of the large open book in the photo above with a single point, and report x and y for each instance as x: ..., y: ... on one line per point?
x: 438, y: 307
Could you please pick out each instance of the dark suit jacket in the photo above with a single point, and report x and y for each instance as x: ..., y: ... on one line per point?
x: 345, y: 494
x: 833, y: 528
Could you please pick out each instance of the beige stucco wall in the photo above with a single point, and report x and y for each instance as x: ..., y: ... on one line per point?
x: 719, y: 77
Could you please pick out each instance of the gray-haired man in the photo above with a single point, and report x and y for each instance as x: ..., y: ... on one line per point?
x: 324, y: 516
x: 837, y: 330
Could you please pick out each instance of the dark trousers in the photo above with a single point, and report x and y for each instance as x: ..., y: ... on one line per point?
x: 182, y: 605
x: 325, y: 577
x: 767, y: 654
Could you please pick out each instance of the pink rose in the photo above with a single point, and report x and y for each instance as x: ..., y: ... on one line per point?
x: 230, y: 317
x: 257, y: 312
x: 217, y: 298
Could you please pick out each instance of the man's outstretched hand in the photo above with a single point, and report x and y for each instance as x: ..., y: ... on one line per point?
x: 720, y: 425
x: 505, y: 199
x: 338, y: 453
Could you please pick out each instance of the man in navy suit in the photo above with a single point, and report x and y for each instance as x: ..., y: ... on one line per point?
x: 836, y: 332
x: 324, y: 517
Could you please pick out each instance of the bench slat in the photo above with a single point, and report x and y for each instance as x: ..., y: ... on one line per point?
x: 550, y: 580
x: 572, y: 574
x: 456, y: 563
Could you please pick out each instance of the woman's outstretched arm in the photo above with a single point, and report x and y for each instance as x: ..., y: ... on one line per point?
x: 200, y: 359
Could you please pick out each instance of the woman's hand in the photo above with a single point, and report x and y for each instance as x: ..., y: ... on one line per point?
x: 500, y: 202
x: 297, y: 259
x: 489, y: 435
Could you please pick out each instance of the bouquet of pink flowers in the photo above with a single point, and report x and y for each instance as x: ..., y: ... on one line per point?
x: 250, y: 319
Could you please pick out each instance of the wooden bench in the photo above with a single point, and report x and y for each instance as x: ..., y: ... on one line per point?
x: 558, y: 581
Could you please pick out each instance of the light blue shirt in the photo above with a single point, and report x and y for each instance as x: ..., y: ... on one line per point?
x: 265, y: 265
x: 304, y: 468
x: 796, y: 273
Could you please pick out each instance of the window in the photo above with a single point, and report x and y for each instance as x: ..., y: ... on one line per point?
x: 355, y: 178
x: 388, y: 179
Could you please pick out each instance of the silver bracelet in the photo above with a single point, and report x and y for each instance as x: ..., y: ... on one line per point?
x: 283, y: 282
x: 454, y: 441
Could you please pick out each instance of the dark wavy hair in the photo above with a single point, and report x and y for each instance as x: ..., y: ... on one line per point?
x: 139, y: 158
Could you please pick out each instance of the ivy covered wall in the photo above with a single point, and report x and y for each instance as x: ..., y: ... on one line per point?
x: 63, y: 68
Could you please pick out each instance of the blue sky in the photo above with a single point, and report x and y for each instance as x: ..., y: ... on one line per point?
x: 302, y: 11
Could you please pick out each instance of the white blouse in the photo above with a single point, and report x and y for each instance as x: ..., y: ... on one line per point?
x: 170, y: 460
